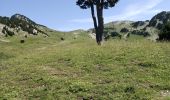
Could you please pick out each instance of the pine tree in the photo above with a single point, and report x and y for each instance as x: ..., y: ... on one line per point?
x: 99, y: 21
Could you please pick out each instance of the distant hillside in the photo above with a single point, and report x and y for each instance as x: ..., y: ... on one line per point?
x: 148, y: 28
x: 18, y: 23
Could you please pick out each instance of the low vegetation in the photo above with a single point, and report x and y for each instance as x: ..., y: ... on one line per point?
x: 76, y: 68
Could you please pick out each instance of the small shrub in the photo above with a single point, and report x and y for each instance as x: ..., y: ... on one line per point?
x: 124, y: 30
x: 62, y: 39
x: 22, y: 41
x: 113, y: 34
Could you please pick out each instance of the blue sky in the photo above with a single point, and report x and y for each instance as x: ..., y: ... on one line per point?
x: 64, y: 15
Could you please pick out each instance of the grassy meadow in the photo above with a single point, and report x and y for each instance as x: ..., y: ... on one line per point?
x: 47, y: 68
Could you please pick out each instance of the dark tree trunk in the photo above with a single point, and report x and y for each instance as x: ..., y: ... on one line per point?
x: 98, y: 24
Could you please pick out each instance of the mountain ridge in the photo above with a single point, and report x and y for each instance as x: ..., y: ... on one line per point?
x: 148, y: 28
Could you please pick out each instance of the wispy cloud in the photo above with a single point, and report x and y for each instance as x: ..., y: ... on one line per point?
x: 130, y: 12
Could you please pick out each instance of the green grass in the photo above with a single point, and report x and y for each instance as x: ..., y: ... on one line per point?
x: 76, y: 69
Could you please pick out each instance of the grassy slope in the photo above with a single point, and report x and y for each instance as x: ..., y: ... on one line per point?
x: 48, y: 68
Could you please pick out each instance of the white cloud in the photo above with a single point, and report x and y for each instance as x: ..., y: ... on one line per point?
x: 130, y: 12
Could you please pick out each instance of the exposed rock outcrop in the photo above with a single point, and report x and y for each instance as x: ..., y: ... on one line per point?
x: 159, y: 20
x: 20, y: 22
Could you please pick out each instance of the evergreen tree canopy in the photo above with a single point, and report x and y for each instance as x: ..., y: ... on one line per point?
x: 84, y: 4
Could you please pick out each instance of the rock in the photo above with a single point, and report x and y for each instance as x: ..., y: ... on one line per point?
x: 92, y: 35
x: 126, y: 36
x: 35, y: 32
x: 17, y: 29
